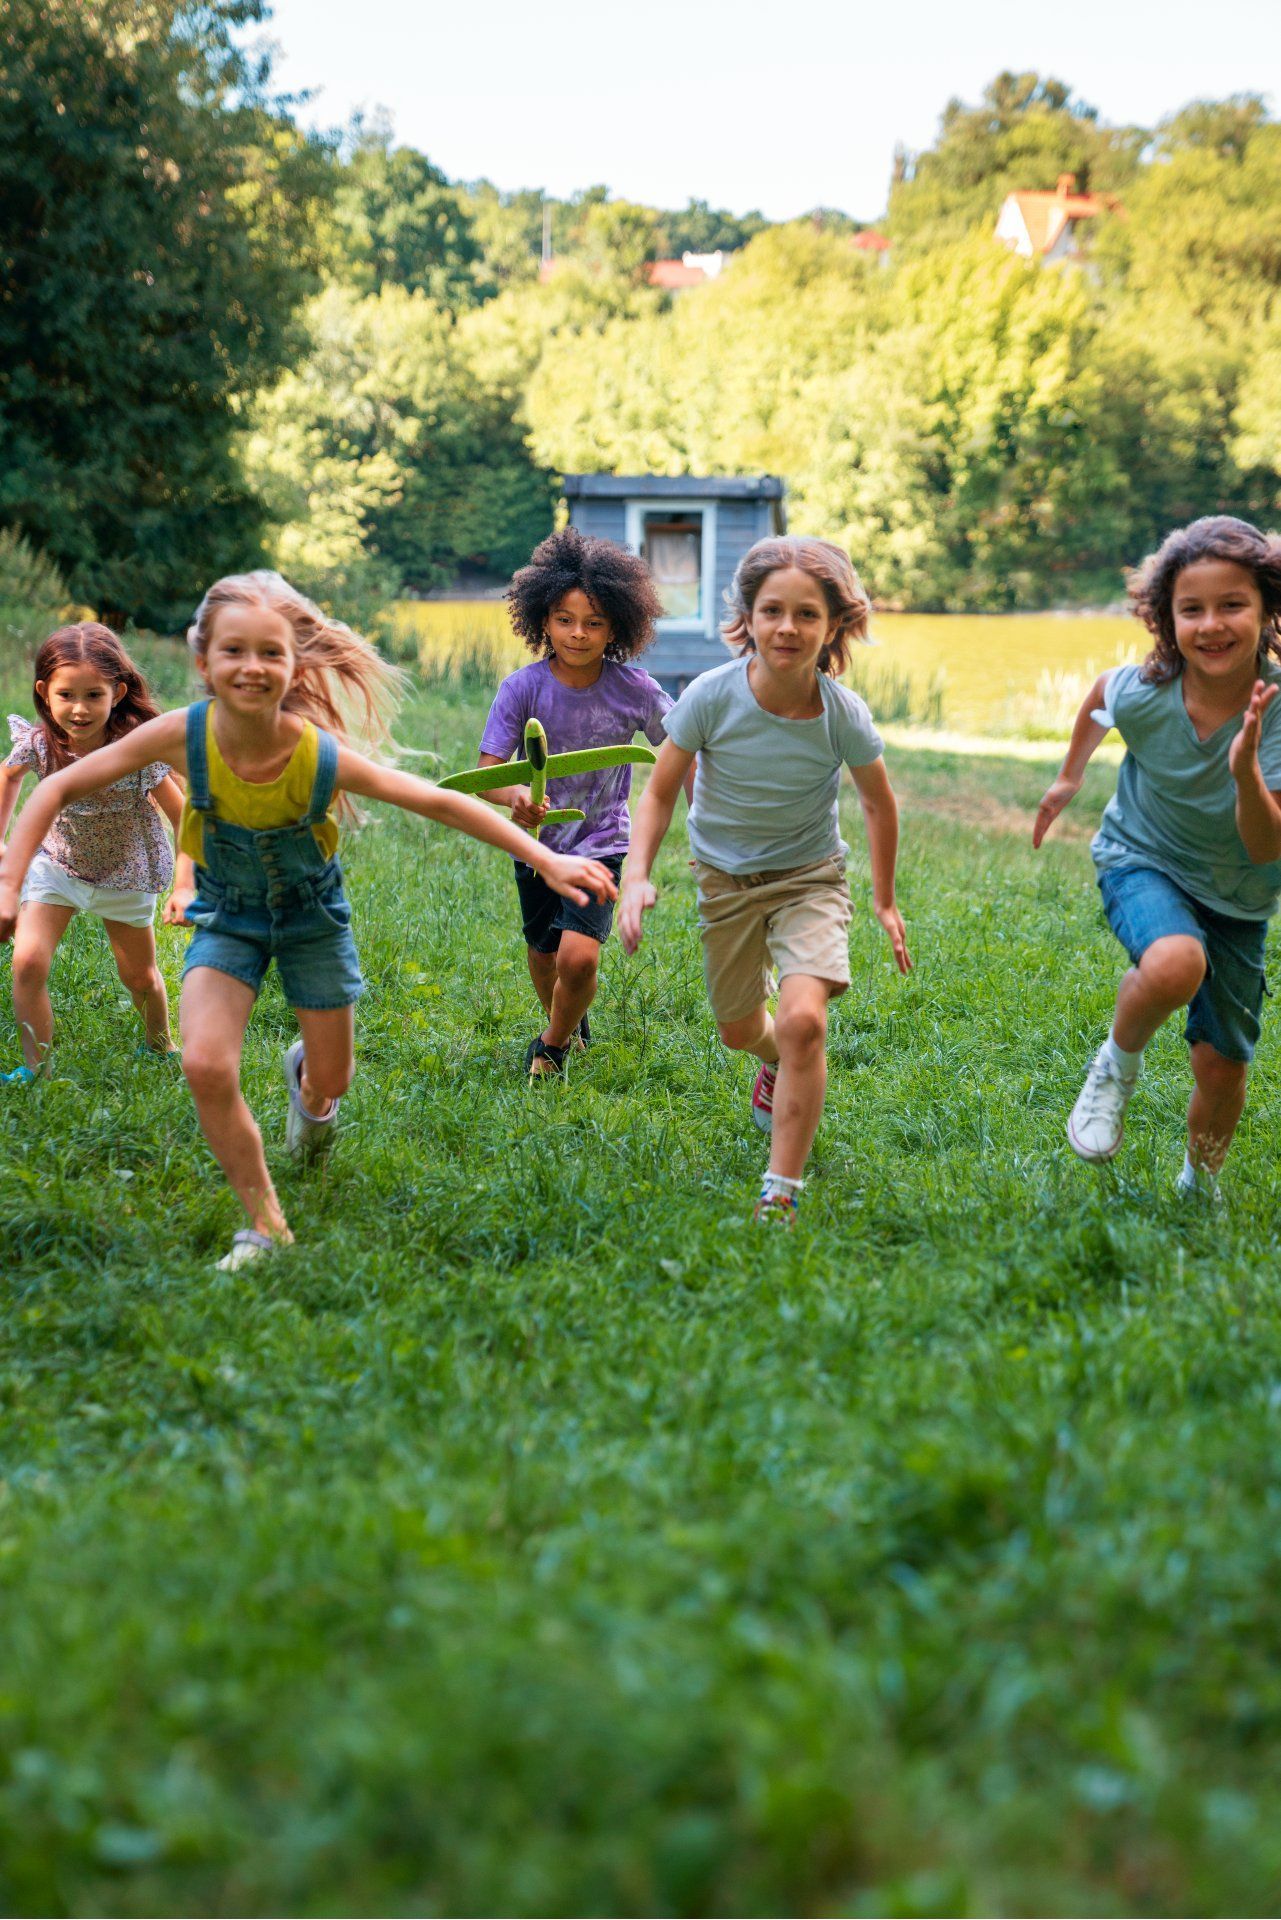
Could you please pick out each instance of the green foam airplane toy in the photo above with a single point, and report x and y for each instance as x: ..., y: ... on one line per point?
x: 539, y: 766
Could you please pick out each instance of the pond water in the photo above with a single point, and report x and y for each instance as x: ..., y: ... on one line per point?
x: 1022, y: 675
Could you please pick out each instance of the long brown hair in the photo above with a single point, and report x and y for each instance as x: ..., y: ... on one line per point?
x: 340, y: 682
x: 1218, y: 536
x: 87, y: 644
x: 848, y: 606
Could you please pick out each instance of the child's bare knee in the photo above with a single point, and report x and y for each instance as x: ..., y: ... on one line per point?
x: 1174, y: 968
x: 208, y: 1073
x: 800, y: 1029
x: 140, y: 980
x: 741, y: 1035
x: 30, y: 971
x: 1217, y: 1075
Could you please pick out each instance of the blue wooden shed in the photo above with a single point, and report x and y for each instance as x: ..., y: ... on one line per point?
x: 693, y: 532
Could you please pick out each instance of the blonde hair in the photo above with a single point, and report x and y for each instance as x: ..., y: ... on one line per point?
x: 848, y: 606
x: 340, y: 682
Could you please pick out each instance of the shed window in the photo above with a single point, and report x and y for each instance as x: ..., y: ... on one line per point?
x: 672, y: 544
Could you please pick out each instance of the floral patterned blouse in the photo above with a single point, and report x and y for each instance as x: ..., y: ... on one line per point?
x: 115, y: 838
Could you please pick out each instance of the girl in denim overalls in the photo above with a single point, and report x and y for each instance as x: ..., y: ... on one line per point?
x: 267, y: 758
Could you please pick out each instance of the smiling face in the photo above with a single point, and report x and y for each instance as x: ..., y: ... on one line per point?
x: 579, y: 633
x: 1218, y: 619
x: 80, y: 699
x: 789, y: 621
x: 249, y: 662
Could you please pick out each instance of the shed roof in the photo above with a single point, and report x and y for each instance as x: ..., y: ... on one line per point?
x: 681, y: 486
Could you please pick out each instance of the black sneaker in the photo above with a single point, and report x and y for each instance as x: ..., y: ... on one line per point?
x: 584, y: 1033
x: 542, y: 1060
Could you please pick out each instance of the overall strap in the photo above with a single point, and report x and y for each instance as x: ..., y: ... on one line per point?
x: 198, y: 758
x: 322, y: 791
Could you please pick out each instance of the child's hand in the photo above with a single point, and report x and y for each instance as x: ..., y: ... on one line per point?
x: 1051, y: 807
x: 638, y: 897
x: 570, y: 874
x: 524, y: 811
x: 1243, y: 754
x: 892, y: 921
x: 9, y: 901
x: 175, y: 913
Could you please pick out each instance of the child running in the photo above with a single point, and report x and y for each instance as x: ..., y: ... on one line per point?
x: 771, y: 731
x: 266, y: 757
x: 586, y: 608
x: 106, y: 853
x: 1189, y: 850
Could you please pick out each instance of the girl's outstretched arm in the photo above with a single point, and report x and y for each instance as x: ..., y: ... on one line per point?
x: 653, y: 817
x: 168, y: 797
x: 1258, y: 812
x: 565, y: 873
x: 162, y: 739
x: 880, y: 816
x: 1087, y: 734
x: 11, y: 779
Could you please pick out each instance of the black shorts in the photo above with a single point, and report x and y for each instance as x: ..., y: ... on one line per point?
x: 546, y: 914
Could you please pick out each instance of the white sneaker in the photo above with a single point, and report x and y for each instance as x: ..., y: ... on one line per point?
x: 304, y: 1134
x: 246, y: 1245
x: 1096, y: 1124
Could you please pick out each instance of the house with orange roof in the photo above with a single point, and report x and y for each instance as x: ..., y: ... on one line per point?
x: 1048, y: 226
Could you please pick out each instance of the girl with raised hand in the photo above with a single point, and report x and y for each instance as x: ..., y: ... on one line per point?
x: 771, y: 731
x: 106, y: 853
x: 1188, y: 854
x: 269, y: 763
x: 586, y: 608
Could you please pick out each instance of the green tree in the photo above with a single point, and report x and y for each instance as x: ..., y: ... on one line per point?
x: 1025, y: 132
x: 399, y: 222
x: 390, y: 459
x: 158, y: 229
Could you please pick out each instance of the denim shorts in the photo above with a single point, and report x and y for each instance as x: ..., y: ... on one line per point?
x: 547, y: 914
x: 1143, y: 905
x: 308, y: 935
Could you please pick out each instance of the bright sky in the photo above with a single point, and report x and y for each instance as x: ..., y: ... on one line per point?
x: 776, y: 104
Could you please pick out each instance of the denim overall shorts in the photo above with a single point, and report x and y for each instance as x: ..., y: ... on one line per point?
x: 265, y: 894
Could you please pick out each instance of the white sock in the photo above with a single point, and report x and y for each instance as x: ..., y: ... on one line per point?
x: 1193, y: 1176
x: 1126, y: 1064
x: 777, y: 1185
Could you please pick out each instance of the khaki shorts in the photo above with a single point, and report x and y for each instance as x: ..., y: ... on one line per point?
x: 758, y: 924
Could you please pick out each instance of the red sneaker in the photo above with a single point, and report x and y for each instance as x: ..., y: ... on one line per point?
x: 763, y: 1098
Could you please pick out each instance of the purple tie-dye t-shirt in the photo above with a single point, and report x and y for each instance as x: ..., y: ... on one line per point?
x: 609, y: 713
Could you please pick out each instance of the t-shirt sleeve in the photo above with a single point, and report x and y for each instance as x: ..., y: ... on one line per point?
x: 657, y: 707
x: 505, y: 727
x: 153, y: 775
x: 1119, y: 703
x: 688, y: 721
x: 23, y: 752
x: 854, y: 731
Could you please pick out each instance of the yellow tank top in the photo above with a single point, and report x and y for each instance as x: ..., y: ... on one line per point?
x: 281, y: 802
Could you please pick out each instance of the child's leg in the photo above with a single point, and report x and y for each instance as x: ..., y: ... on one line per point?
x: 134, y: 949
x: 36, y: 936
x: 328, y: 1056
x: 800, y: 1034
x: 212, y: 1016
x: 754, y: 1033
x: 1166, y: 978
x: 1218, y: 1100
x: 542, y: 971
x: 577, y: 964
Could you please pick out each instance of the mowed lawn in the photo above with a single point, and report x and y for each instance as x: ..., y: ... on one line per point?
x: 539, y: 1537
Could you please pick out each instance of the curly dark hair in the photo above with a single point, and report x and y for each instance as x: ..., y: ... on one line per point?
x: 1218, y: 536
x: 615, y: 580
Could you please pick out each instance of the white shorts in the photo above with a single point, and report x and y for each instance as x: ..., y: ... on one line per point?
x: 49, y: 885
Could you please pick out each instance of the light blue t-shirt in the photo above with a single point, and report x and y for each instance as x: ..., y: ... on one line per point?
x: 766, y: 789
x: 1175, y: 802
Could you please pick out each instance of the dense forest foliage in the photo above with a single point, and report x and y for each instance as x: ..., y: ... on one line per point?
x: 225, y: 339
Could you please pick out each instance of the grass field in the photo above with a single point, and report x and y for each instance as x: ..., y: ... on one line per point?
x: 538, y: 1537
